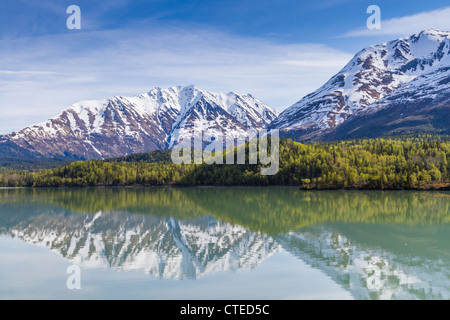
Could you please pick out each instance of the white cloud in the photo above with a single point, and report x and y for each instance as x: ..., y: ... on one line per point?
x: 43, y: 75
x: 25, y: 72
x: 408, y: 25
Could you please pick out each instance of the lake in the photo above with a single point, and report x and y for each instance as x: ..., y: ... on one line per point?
x: 223, y: 243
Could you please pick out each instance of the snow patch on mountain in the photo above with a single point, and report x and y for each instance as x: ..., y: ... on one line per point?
x: 154, y: 120
x: 375, y: 73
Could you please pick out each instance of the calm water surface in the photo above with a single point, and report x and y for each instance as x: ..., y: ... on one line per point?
x: 224, y: 243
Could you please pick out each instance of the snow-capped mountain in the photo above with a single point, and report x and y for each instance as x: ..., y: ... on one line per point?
x: 402, y: 86
x: 399, y: 72
x: 124, y: 125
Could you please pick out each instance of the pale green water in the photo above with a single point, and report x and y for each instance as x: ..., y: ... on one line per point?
x: 225, y: 243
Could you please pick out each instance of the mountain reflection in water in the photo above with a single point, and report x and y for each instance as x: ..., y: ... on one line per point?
x: 376, y: 245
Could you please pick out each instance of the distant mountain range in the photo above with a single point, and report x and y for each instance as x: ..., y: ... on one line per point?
x: 398, y: 87
x: 125, y: 125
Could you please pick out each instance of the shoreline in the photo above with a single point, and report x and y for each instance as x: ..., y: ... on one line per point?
x: 446, y: 188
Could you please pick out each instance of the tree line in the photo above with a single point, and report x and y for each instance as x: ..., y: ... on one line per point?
x: 268, y: 210
x: 418, y: 162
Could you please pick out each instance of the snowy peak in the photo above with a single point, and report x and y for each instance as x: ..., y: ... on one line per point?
x: 151, y: 121
x: 408, y: 55
x: 419, y: 52
x: 375, y: 73
x: 430, y: 36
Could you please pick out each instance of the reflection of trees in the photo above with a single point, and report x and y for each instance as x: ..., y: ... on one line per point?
x: 374, y: 244
x: 269, y: 210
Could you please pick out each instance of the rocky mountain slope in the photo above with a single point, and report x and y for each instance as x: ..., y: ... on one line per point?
x: 398, y: 87
x: 401, y: 86
x: 125, y: 125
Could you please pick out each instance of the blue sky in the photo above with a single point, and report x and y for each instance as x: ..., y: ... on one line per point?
x: 277, y: 50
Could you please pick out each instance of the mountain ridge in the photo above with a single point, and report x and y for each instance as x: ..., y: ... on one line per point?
x: 151, y: 121
x: 392, y: 88
x: 369, y: 83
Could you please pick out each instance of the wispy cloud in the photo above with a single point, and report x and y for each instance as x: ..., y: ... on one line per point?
x: 407, y: 25
x: 42, y: 75
x: 26, y: 72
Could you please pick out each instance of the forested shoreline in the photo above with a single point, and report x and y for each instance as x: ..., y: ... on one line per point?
x: 419, y: 162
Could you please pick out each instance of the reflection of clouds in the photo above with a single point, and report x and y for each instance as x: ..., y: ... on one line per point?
x: 29, y: 274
